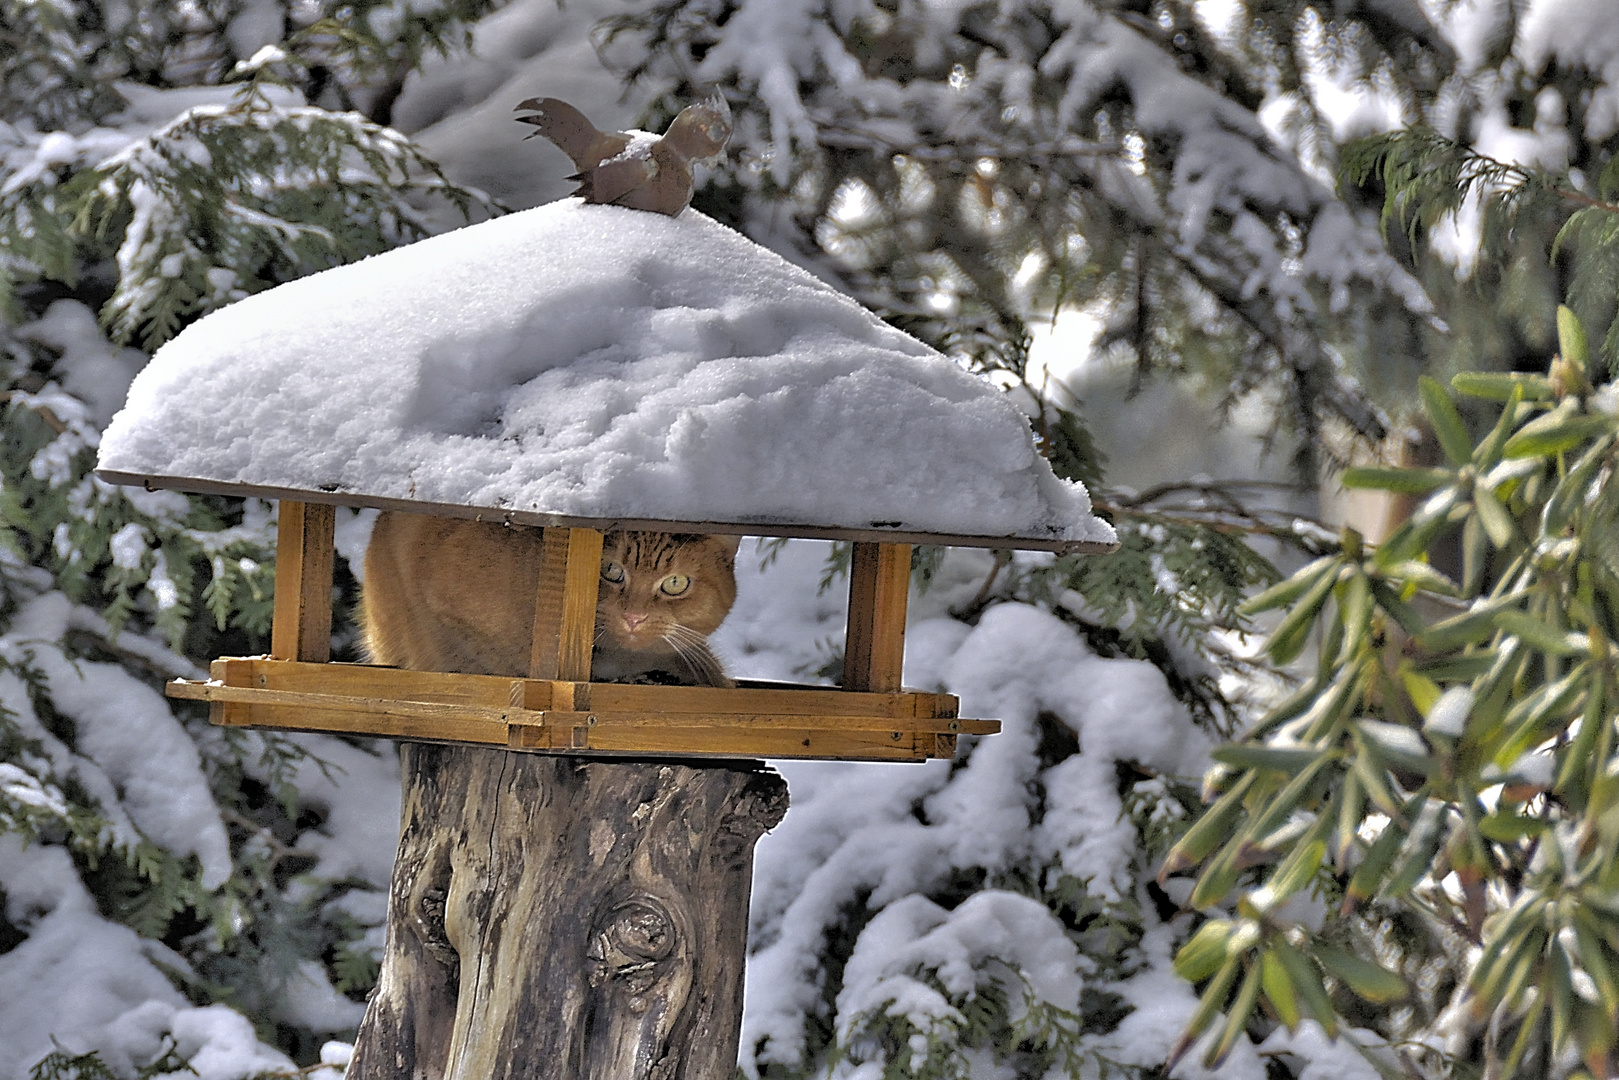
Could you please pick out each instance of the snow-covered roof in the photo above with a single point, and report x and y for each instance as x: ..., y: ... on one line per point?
x: 592, y: 365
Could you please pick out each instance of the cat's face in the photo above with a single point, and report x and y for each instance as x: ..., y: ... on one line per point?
x: 662, y: 591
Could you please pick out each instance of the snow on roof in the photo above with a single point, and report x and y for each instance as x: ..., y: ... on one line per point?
x: 592, y: 363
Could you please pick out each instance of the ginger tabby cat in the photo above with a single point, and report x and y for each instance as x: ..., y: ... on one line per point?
x: 447, y: 594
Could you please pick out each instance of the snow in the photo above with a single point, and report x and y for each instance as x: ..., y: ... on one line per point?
x: 459, y: 108
x: 1578, y: 33
x: 593, y: 362
x: 90, y: 984
x: 133, y: 755
x: 93, y: 370
x: 1322, y: 1058
x: 886, y: 836
x: 1224, y: 165
x: 914, y: 934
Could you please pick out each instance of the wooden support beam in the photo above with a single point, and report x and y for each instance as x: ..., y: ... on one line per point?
x: 302, y: 627
x: 565, y: 605
x: 874, y: 647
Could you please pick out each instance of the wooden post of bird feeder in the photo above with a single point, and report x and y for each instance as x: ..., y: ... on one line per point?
x: 556, y: 917
x: 874, y: 644
x: 302, y: 627
x: 565, y: 604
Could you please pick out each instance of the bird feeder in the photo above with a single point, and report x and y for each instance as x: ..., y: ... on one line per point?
x: 583, y: 369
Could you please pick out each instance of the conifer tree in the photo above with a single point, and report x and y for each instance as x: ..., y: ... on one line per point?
x: 158, y: 161
x: 968, y: 171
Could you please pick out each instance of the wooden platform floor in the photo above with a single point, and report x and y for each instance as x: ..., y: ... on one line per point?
x: 553, y: 716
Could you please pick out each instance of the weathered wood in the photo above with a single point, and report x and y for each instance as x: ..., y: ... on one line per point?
x: 565, y: 604
x: 874, y: 645
x: 302, y: 626
x: 557, y: 919
x: 881, y: 534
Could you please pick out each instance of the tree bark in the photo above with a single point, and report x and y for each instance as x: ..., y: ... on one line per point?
x: 562, y: 918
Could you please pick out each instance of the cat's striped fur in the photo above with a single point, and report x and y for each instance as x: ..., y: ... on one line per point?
x: 447, y: 594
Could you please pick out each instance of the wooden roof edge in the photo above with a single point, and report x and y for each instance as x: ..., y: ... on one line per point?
x: 525, y: 517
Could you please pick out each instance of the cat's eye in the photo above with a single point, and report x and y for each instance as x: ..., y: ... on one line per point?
x: 613, y: 572
x: 675, y: 584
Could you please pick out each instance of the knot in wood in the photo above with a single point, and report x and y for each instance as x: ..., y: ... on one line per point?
x: 630, y: 943
x: 430, y: 929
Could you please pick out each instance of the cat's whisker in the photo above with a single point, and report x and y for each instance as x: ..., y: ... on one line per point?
x: 695, y: 655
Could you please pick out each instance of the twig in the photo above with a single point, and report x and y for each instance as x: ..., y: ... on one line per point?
x: 45, y: 412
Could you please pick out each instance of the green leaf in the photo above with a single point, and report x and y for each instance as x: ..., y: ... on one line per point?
x: 1539, y: 635
x: 1236, y: 1021
x: 1581, y: 754
x: 1289, y: 760
x: 1423, y: 690
x: 1285, y: 592
x: 1493, y: 516
x: 1401, y: 612
x: 1560, y: 989
x: 1448, y: 425
x: 1504, y: 968
x: 1500, y: 385
x: 1593, y: 957
x: 1457, y: 669
x: 1279, y: 989
x: 1207, y: 832
x: 1208, y: 1007
x: 1356, y: 604
x: 1403, y: 481
x: 1428, y: 521
x: 1281, y: 805
x: 1423, y: 576
x: 1291, y: 634
x: 1416, y: 854
x: 1489, y: 451
x: 1370, y: 981
x: 1351, y: 812
x: 1299, y: 868
x: 1369, y: 874
x: 1474, y: 625
x: 1218, y: 878
x: 1571, y: 341
x: 1204, y: 952
x: 1506, y: 827
x: 1572, y: 491
x: 1306, y: 980
x: 1535, y: 716
x: 1558, y: 431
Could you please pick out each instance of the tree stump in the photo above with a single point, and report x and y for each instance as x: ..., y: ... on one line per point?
x: 560, y: 918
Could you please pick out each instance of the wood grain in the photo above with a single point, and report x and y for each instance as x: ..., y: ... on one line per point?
x: 302, y: 627
x: 556, y: 919
x: 874, y: 644
x: 565, y: 604
x: 561, y: 716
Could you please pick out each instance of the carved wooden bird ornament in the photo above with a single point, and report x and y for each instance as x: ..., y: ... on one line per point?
x: 633, y: 168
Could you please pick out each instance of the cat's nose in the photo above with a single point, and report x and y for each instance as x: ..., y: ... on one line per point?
x: 632, y: 622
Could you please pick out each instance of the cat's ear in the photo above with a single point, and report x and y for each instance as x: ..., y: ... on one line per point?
x: 730, y: 544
